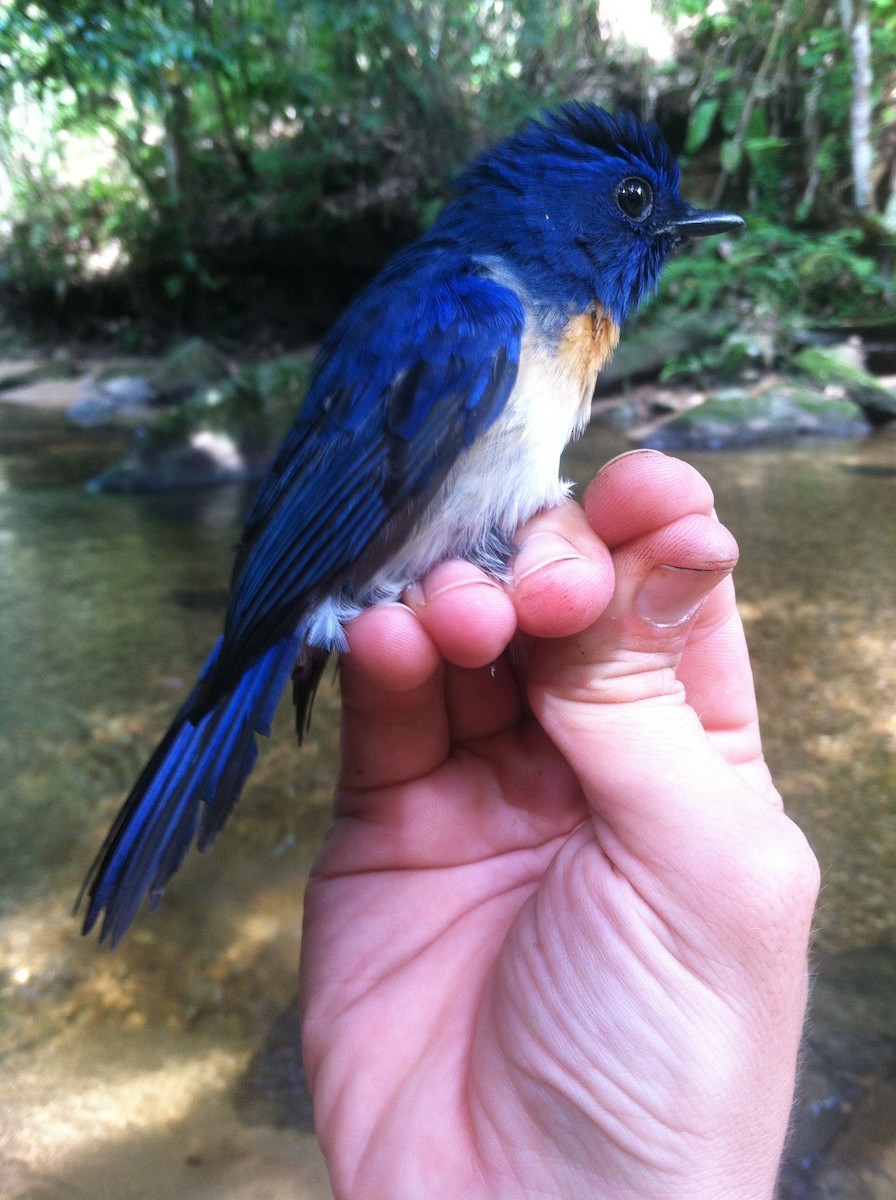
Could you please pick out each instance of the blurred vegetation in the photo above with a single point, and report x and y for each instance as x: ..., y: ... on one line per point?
x: 208, y: 164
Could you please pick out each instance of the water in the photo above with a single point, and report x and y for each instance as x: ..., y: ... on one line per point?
x: 124, y: 1075
x: 817, y: 586
x: 138, y: 1074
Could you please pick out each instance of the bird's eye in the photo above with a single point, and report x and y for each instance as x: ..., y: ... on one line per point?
x: 635, y: 198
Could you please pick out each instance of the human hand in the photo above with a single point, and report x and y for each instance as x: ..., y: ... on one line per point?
x: 555, y: 944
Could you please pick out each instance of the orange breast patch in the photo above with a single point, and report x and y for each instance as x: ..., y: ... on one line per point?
x: 587, y: 343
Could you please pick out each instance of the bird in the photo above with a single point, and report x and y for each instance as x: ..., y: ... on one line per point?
x: 437, y: 410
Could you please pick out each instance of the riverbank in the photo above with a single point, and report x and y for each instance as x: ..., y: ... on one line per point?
x: 216, y: 420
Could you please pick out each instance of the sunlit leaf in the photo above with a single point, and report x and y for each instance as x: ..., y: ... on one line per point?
x: 731, y: 112
x: 731, y: 154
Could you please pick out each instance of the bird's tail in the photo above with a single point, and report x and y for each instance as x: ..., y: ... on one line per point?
x: 187, y: 789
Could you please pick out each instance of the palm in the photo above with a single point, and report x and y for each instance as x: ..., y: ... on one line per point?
x: 412, y: 911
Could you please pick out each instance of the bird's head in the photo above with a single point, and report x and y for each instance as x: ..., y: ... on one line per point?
x: 584, y: 206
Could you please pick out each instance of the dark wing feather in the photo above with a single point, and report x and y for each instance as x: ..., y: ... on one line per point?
x: 419, y: 366
x: 413, y: 373
x: 186, y: 791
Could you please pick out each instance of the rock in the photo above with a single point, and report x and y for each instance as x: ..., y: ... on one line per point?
x: 615, y: 414
x: 129, y: 390
x: 735, y: 417
x: 120, y: 397
x: 189, y: 368
x: 274, y: 1090
x: 119, y: 394
x: 225, y: 433
x: 645, y: 350
x: 205, y: 460
x: 835, y: 367
x: 874, y: 337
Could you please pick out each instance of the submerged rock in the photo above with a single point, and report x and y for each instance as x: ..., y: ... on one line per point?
x: 206, y: 459
x: 274, y: 1090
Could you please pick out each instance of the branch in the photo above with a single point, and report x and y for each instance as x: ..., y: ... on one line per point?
x: 753, y: 96
x: 240, y: 154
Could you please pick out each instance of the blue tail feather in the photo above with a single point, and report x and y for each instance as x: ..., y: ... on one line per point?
x: 187, y: 790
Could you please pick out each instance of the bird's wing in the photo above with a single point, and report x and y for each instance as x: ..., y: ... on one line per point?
x: 415, y: 370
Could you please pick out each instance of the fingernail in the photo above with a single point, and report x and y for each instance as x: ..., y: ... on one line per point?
x: 643, y: 451
x: 670, y: 595
x: 541, y: 550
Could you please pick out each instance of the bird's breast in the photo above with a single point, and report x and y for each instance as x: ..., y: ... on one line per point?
x: 513, y: 469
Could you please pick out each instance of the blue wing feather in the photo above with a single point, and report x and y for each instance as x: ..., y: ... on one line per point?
x: 187, y: 789
x: 416, y: 369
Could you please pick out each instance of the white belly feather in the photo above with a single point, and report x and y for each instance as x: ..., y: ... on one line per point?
x: 509, y: 473
x: 505, y: 477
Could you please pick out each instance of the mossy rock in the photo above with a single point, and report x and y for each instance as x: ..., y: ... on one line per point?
x: 189, y: 368
x: 826, y: 367
x: 734, y: 418
x: 647, y: 348
x: 256, y: 406
x: 225, y: 433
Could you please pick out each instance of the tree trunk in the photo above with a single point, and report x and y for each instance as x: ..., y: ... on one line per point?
x: 857, y: 27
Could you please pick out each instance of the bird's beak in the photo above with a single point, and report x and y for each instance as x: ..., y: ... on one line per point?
x: 692, y: 222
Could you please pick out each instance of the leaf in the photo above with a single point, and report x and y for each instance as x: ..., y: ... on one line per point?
x: 757, y: 126
x: 731, y: 154
x: 734, y: 106
x: 756, y: 148
x: 700, y: 125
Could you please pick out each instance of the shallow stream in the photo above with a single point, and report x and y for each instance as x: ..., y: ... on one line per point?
x: 142, y: 1074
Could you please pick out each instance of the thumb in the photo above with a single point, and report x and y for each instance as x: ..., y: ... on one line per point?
x: 631, y: 653
x: 698, y: 838
x: 612, y: 699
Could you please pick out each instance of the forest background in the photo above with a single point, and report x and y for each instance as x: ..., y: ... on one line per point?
x: 240, y: 167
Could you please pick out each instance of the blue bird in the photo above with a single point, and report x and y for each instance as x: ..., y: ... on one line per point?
x: 438, y: 408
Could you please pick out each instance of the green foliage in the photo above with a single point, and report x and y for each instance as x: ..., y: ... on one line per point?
x: 63, y: 230
x: 219, y: 120
x: 210, y: 124
x: 771, y: 91
x: 774, y: 281
x: 701, y: 124
x: 809, y: 276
